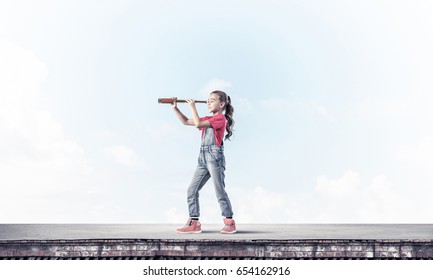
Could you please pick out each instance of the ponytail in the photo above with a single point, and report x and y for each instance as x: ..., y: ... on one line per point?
x: 229, y: 117
x: 228, y: 112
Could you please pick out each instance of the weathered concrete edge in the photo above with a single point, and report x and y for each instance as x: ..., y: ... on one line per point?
x: 216, y: 249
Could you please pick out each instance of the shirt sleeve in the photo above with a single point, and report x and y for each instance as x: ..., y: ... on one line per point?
x: 217, y: 121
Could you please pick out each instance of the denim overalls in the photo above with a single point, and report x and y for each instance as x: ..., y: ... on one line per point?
x: 211, y: 163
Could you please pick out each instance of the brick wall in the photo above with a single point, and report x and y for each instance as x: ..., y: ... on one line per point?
x: 216, y: 249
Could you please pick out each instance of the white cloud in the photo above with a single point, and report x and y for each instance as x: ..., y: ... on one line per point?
x: 341, y: 188
x: 323, y: 112
x: 36, y: 157
x: 346, y: 199
x: 159, y: 131
x: 214, y: 84
x: 21, y: 74
x: 421, y: 154
x: 175, y: 216
x: 276, y: 104
x: 382, y: 203
x: 125, y: 156
x: 242, y: 105
x: 341, y: 200
x: 260, y: 205
x: 380, y: 109
x: 412, y: 26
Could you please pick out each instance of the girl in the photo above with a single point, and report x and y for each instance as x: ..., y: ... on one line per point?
x: 211, y: 162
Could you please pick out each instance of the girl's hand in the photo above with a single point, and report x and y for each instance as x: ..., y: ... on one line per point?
x: 174, y: 104
x: 191, y: 103
x: 195, y: 117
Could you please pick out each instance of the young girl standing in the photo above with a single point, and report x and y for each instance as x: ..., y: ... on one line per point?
x: 211, y: 161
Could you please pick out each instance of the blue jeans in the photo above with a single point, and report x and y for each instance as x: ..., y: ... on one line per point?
x: 211, y: 164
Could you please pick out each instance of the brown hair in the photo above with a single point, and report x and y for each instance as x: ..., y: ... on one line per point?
x: 228, y: 112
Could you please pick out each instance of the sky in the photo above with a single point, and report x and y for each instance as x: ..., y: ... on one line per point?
x: 332, y: 109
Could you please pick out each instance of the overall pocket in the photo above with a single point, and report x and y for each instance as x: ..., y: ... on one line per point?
x: 217, y: 154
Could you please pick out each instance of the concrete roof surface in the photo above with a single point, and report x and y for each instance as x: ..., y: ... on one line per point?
x: 211, y: 231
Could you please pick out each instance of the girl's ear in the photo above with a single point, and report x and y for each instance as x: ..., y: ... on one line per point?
x: 222, y: 104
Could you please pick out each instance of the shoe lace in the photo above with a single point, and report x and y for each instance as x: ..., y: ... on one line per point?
x: 228, y: 226
x: 189, y: 223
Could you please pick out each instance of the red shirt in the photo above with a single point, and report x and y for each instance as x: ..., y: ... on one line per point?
x: 218, y: 123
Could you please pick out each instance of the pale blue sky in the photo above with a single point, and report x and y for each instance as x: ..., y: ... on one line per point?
x: 332, y: 109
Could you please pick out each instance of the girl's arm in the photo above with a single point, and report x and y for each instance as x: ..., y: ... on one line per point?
x: 195, y: 118
x: 183, y: 119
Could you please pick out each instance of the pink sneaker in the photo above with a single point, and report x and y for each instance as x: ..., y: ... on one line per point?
x: 192, y: 226
x: 229, y: 226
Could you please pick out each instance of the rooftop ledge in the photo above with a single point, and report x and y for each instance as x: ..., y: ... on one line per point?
x: 261, y: 241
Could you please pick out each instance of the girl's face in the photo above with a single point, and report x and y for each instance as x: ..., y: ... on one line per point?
x: 214, y: 104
